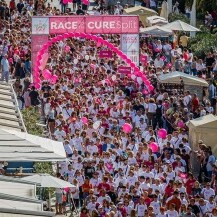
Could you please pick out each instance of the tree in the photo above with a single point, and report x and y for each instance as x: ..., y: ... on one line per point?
x: 203, y: 5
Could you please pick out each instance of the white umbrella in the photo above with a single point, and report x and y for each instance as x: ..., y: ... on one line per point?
x: 179, y: 25
x: 156, y: 31
x: 48, y: 181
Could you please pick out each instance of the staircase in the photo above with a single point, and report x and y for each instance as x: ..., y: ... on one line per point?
x: 10, y: 116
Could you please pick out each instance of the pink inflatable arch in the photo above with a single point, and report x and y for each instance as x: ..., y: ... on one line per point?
x: 36, y: 74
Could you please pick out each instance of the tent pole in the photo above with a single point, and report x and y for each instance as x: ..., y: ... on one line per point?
x: 49, y: 199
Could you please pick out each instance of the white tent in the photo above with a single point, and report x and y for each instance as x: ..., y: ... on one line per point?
x: 202, y: 128
x: 174, y: 78
x: 48, y: 181
x: 21, y: 146
x: 156, y: 31
x: 179, y: 25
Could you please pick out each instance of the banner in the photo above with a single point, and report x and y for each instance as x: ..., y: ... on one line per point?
x: 130, y: 46
x: 86, y: 24
x: 105, y: 54
x: 37, y: 41
x: 124, y: 70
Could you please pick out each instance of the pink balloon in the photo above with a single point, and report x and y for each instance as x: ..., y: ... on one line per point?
x: 65, y: 2
x: 92, y: 66
x: 150, y: 87
x: 98, y: 44
x: 127, y: 128
x: 132, y: 64
x: 43, y: 61
x: 37, y: 86
x: 46, y: 74
x: 100, y: 39
x: 181, y: 124
x: 77, y: 34
x: 85, y: 2
x: 124, y: 57
x: 128, y: 61
x: 84, y: 120
x: 154, y: 147
x: 115, y: 49
x: 55, y: 40
x: 182, y: 175
x: 147, y: 82
x: 162, y: 133
x: 53, y: 79
x: 110, y: 45
x: 169, y: 65
x: 67, y: 49
x: 136, y: 73
x: 145, y: 92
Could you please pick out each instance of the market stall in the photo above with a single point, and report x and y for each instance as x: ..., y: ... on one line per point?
x: 203, y: 128
x: 182, y: 82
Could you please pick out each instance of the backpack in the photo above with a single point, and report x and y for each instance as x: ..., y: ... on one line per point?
x: 159, y: 111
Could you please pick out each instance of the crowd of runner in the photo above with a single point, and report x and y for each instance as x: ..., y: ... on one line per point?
x: 116, y: 173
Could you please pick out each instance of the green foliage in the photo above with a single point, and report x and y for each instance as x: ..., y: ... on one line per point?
x: 173, y: 17
x: 31, y: 117
x: 203, y: 5
x: 203, y: 43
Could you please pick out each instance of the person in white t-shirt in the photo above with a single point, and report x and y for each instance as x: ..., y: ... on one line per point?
x: 140, y: 208
x: 92, y: 148
x: 68, y: 148
x: 155, y: 204
x: 158, y: 63
x: 207, y: 192
x: 60, y: 134
x: 172, y: 212
x: 151, y: 111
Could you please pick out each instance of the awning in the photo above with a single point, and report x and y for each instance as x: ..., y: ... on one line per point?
x: 21, y: 146
x: 174, y: 78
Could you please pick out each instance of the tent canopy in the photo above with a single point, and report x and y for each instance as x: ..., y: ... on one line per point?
x: 202, y: 128
x: 156, y: 31
x: 174, y: 78
x: 48, y: 181
x: 137, y: 10
x: 179, y: 25
x: 209, y: 121
x: 21, y: 146
x: 143, y: 13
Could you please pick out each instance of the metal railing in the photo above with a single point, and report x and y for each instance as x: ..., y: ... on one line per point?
x: 18, y: 110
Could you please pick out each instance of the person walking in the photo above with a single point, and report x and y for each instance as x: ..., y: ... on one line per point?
x: 5, y: 67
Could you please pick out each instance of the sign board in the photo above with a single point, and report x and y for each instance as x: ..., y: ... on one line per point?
x: 130, y: 46
x: 105, y: 54
x: 86, y: 24
x: 42, y: 27
x: 124, y: 69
